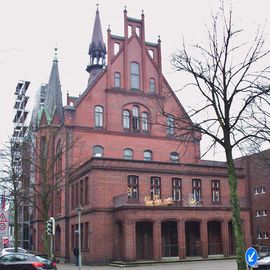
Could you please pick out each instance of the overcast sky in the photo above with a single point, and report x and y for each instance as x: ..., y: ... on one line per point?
x: 30, y: 30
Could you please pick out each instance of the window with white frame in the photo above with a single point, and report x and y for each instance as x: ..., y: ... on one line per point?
x: 170, y: 125
x: 152, y: 86
x: 259, y: 235
x: 155, y: 188
x: 128, y: 153
x: 135, y: 75
x: 176, y: 189
x: 144, y: 121
x: 133, y: 187
x: 147, y: 155
x: 135, y: 118
x: 174, y: 157
x: 256, y: 190
x: 126, y: 119
x: 258, y: 213
x: 215, y: 185
x: 196, y: 189
x: 264, y: 212
x: 98, y: 151
x: 98, y: 116
x: 117, y: 80
x: 265, y: 235
x: 262, y: 189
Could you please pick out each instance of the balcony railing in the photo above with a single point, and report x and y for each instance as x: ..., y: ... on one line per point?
x: 123, y: 200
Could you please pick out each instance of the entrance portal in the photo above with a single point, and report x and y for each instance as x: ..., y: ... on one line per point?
x: 144, y: 240
x: 169, y: 239
x: 214, y: 237
x: 193, y: 241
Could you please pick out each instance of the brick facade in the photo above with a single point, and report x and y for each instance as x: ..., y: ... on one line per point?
x: 116, y: 223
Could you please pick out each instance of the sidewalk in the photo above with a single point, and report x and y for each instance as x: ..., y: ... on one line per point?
x: 69, y: 266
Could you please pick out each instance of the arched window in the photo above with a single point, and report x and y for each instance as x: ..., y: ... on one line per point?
x: 128, y: 153
x: 135, y: 75
x: 98, y: 116
x: 135, y: 118
x: 98, y: 151
x: 170, y: 125
x: 152, y: 86
x: 147, y: 155
x: 174, y: 157
x: 126, y: 119
x: 144, y: 121
x: 117, y: 80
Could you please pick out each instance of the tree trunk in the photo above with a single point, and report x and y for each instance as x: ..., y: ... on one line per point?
x: 236, y: 218
x: 16, y: 227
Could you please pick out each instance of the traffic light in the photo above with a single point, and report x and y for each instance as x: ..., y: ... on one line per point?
x: 50, y: 226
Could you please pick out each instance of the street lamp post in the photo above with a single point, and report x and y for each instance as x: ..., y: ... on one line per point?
x: 79, y: 212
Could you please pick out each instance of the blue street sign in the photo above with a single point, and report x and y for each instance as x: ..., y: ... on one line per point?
x: 251, y: 256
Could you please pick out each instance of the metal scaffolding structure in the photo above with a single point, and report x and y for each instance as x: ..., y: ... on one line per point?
x: 18, y: 136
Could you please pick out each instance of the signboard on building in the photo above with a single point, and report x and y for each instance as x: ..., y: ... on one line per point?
x: 3, y: 223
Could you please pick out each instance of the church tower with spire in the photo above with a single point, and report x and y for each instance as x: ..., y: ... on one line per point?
x: 97, y: 50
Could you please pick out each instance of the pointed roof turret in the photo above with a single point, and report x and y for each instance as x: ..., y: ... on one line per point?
x: 97, y: 50
x: 53, y: 101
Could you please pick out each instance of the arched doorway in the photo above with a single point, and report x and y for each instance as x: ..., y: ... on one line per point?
x: 144, y: 240
x: 214, y: 238
x: 193, y: 241
x: 169, y: 241
x: 57, y: 240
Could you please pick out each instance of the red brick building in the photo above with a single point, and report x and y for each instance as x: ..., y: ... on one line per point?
x: 143, y: 189
x: 257, y: 168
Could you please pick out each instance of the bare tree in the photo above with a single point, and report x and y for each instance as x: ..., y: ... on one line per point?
x: 47, y: 174
x: 11, y: 180
x: 231, y: 79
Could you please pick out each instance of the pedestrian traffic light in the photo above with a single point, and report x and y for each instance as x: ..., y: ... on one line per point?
x: 50, y: 226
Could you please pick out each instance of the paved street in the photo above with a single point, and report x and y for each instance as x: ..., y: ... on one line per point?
x: 228, y: 264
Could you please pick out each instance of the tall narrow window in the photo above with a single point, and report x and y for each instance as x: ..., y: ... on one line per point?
x: 176, y: 189
x: 98, y: 116
x: 128, y: 153
x: 133, y: 187
x: 155, y: 188
x: 196, y: 189
x: 147, y: 155
x: 170, y: 125
x: 215, y: 184
x: 72, y: 196
x: 135, y: 75
x: 135, y: 118
x: 58, y: 161
x: 98, y: 151
x: 126, y: 119
x: 86, y: 190
x: 76, y: 194
x: 81, y: 193
x: 152, y: 86
x: 86, y: 238
x: 144, y: 121
x: 117, y: 80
